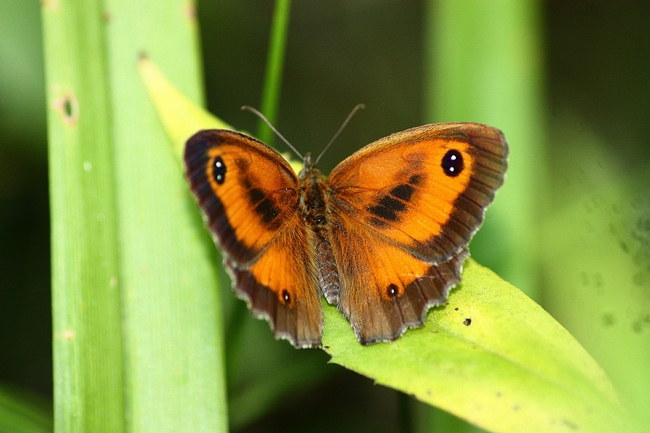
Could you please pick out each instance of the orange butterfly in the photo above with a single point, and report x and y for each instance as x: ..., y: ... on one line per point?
x: 383, y: 238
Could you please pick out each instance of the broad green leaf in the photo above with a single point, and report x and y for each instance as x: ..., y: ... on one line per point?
x: 491, y: 356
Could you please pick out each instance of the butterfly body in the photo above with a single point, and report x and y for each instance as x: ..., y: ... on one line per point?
x: 315, y: 210
x: 383, y: 237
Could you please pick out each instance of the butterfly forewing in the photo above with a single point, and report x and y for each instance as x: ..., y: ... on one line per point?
x: 405, y: 208
x: 426, y: 188
x: 248, y: 195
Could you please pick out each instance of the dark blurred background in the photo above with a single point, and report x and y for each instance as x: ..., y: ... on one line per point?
x: 596, y: 107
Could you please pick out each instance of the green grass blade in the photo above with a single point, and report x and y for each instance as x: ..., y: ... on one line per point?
x: 137, y: 320
x: 172, y: 312
x: 88, y: 358
x: 274, y: 65
x: 21, y: 412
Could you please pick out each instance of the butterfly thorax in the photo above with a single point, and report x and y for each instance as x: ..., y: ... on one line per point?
x: 314, y: 195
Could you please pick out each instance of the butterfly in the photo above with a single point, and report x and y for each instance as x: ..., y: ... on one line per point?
x: 383, y: 237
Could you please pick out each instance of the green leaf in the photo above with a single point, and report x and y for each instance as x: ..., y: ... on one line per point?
x: 274, y: 66
x: 491, y: 356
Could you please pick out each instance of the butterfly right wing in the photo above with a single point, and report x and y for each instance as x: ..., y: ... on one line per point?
x: 404, y: 210
x: 248, y: 195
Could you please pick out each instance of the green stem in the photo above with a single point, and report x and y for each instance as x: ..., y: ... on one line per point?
x: 274, y: 65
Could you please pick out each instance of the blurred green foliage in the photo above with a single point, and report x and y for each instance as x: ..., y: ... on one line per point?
x: 592, y: 230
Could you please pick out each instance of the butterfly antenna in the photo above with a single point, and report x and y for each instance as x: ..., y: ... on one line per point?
x: 347, y: 119
x: 261, y: 116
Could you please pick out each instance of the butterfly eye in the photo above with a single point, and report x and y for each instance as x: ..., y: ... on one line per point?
x: 452, y: 163
x: 286, y: 297
x: 219, y: 170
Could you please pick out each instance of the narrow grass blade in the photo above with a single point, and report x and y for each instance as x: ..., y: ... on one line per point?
x: 172, y: 314
x: 274, y: 66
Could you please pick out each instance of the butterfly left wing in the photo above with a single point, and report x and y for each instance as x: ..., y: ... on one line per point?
x: 248, y: 194
x: 404, y: 210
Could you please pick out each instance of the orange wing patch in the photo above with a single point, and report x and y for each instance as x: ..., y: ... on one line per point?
x: 248, y: 194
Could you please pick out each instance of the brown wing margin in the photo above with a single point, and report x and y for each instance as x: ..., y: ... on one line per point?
x: 489, y: 150
x: 281, y: 287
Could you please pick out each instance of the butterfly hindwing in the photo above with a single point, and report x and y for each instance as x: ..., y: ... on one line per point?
x: 385, y: 289
x: 248, y: 195
x: 281, y: 286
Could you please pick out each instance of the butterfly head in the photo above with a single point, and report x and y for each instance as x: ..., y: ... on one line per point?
x: 309, y: 168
